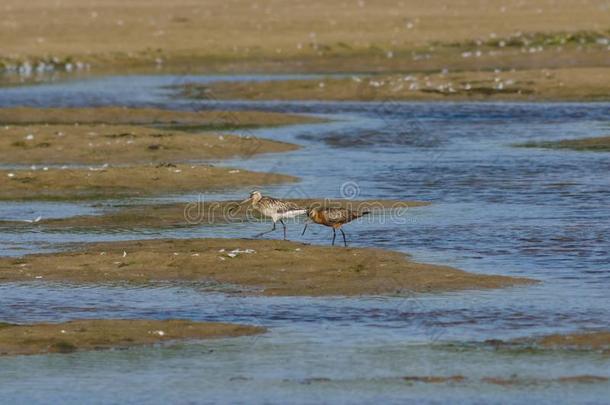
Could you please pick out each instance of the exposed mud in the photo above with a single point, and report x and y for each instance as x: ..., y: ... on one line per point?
x: 272, y: 267
x: 200, y: 120
x: 116, y: 182
x: 201, y: 213
x: 86, y: 335
x: 300, y: 36
x: 597, y: 144
x: 546, y: 84
x: 121, y: 144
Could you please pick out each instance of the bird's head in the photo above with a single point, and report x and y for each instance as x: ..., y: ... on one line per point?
x: 255, y: 196
x: 312, y: 212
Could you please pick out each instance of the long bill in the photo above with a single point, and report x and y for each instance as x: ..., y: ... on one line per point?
x: 233, y: 208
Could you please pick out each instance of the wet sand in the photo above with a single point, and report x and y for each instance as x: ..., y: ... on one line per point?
x: 200, y: 120
x: 535, y: 85
x: 300, y: 36
x: 473, y: 40
x: 87, y: 335
x: 130, y: 137
x: 201, y: 213
x: 580, y: 341
x: 598, y: 144
x: 101, y: 143
x: 434, y: 379
x: 512, y: 381
x: 116, y: 182
x: 585, y: 340
x: 516, y: 381
x: 268, y: 267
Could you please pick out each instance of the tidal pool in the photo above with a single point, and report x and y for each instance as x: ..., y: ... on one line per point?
x: 495, y: 209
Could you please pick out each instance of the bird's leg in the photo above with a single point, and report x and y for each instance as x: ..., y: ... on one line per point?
x: 258, y: 235
x: 334, y: 236
x: 343, y: 233
x: 284, y: 225
x: 304, y: 229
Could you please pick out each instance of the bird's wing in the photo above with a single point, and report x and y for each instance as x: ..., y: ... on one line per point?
x: 336, y: 215
x: 285, y: 206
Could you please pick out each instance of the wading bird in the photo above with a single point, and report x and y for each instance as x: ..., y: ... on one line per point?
x: 334, y: 218
x: 276, y: 209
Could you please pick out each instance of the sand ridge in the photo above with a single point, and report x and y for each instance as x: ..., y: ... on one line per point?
x: 270, y: 267
x: 201, y: 213
x: 595, y: 144
x: 131, y: 181
x: 96, y: 334
x: 116, y: 144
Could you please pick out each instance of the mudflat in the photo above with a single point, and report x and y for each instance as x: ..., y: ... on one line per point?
x: 598, y: 340
x: 268, y: 267
x: 580, y: 341
x: 577, y: 84
x: 203, y: 213
x: 199, y: 120
x: 296, y: 36
x: 126, y: 144
x: 596, y: 144
x: 115, y: 182
x: 97, y: 334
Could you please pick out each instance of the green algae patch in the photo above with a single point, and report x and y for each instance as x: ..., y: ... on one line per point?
x: 86, y: 335
x: 270, y: 267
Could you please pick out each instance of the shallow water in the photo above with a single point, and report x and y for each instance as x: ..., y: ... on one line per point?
x: 496, y: 209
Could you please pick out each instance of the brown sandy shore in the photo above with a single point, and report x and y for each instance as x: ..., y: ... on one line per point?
x: 313, y: 35
x: 100, y: 143
x: 115, y: 182
x: 534, y: 85
x: 114, y: 135
x: 508, y: 381
x: 316, y: 36
x: 597, y: 144
x: 580, y: 341
x: 586, y: 342
x: 459, y: 379
x: 86, y: 335
x: 599, y: 340
x: 200, y: 120
x: 270, y: 267
x: 199, y: 213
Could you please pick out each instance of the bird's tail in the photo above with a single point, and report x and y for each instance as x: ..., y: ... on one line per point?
x: 357, y: 215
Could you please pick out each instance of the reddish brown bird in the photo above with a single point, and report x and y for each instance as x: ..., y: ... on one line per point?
x: 334, y: 218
